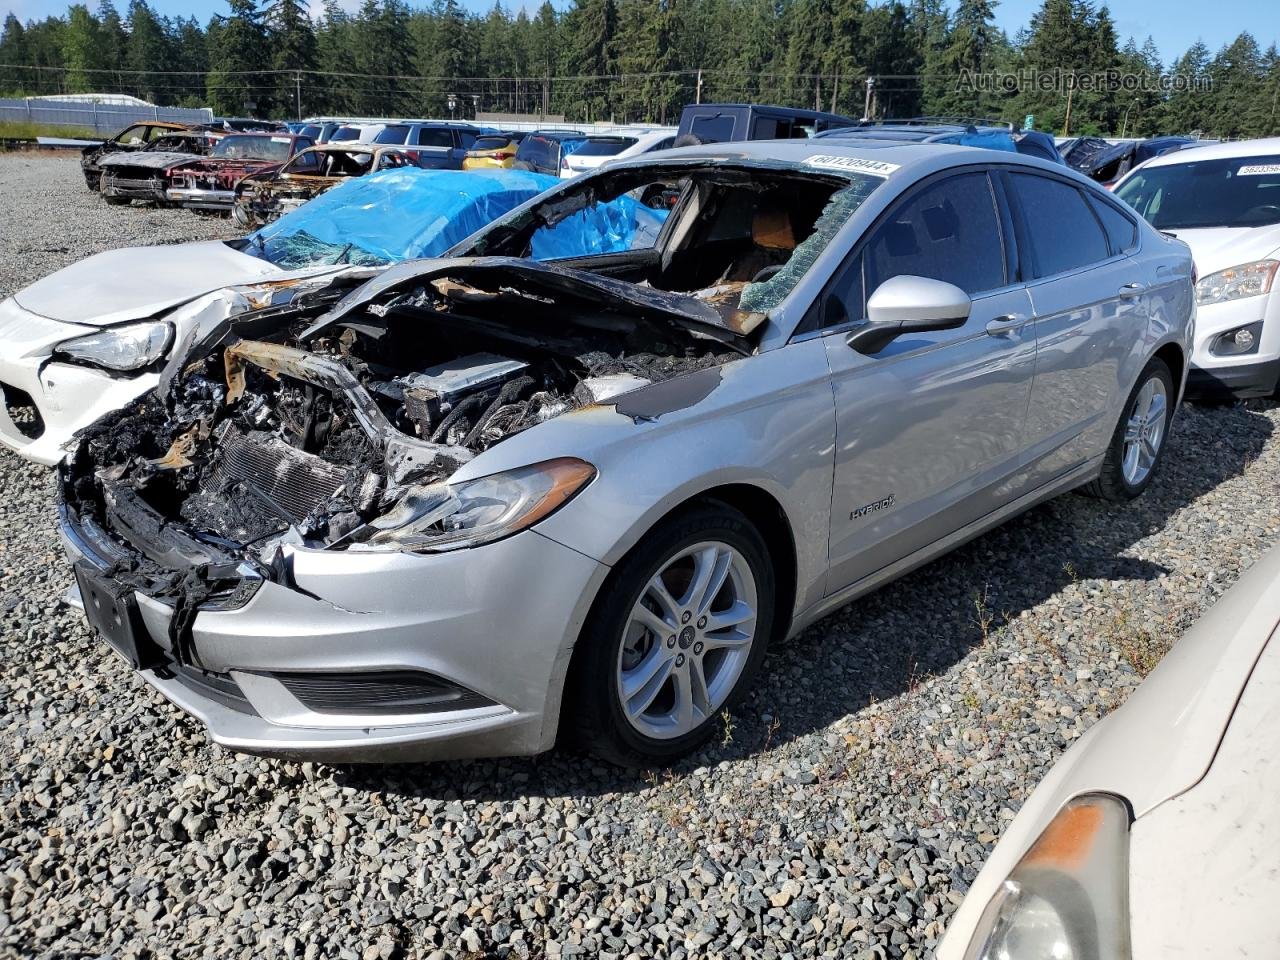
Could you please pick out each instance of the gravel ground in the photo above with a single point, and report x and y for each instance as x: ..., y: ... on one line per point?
x: 845, y: 811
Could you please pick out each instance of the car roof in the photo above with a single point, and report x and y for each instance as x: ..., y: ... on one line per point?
x: 910, y: 160
x: 558, y: 134
x: 1264, y: 146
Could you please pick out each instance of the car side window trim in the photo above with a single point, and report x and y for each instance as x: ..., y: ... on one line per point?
x: 811, y: 324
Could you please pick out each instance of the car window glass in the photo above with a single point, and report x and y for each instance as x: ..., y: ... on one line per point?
x: 304, y: 163
x: 1239, y: 191
x: 629, y: 222
x: 435, y: 137
x: 396, y: 134
x: 136, y: 135
x: 1121, y: 231
x: 466, y: 139
x: 712, y: 129
x: 1064, y: 233
x: 948, y: 231
x: 537, y: 151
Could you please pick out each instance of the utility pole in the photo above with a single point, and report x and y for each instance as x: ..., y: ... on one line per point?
x: 297, y: 91
x: 866, y: 105
x: 835, y: 92
x: 1066, y: 123
x: 697, y: 96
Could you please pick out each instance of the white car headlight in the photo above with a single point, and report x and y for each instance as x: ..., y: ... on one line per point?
x: 1068, y: 897
x: 128, y: 347
x: 1236, y: 283
x: 450, y: 516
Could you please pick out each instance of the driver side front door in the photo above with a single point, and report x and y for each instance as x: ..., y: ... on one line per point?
x: 929, y: 430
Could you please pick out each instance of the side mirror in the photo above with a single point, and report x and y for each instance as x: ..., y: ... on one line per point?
x: 907, y: 304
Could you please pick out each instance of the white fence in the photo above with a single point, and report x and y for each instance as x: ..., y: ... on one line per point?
x: 100, y: 117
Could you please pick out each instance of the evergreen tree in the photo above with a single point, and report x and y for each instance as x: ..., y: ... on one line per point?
x: 293, y: 46
x: 82, y: 49
x: 239, y: 54
x: 14, y: 50
x: 147, y: 52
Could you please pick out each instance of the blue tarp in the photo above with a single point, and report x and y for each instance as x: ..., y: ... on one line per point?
x: 621, y: 224
x: 394, y: 215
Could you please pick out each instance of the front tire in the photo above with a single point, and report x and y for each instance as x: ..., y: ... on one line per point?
x: 674, y: 639
x: 1137, y: 446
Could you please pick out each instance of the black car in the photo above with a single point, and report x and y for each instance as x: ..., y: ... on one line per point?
x: 1108, y: 162
x: 733, y: 122
x: 543, y: 151
x: 136, y: 136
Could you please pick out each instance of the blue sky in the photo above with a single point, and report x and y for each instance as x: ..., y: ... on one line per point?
x: 1175, y: 24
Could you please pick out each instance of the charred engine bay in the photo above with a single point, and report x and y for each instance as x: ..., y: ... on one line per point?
x: 308, y: 438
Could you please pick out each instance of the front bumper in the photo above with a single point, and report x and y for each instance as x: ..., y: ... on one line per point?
x: 1241, y: 381
x: 1217, y: 377
x: 65, y: 396
x: 151, y: 188
x: 201, y: 199
x: 498, y: 620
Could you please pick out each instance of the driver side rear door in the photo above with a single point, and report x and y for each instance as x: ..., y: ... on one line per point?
x: 929, y: 431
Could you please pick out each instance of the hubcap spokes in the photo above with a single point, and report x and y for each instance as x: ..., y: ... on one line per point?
x: 1144, y: 431
x: 687, y: 640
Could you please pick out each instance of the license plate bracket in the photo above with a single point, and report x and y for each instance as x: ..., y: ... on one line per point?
x: 112, y: 610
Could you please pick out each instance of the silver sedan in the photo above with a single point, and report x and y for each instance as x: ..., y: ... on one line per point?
x: 574, y: 478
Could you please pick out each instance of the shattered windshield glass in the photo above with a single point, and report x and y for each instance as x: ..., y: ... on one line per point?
x: 762, y: 297
x: 262, y: 147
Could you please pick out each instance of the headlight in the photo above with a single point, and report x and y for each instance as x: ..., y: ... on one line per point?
x: 1068, y: 897
x: 1236, y: 283
x: 128, y: 347
x: 450, y: 516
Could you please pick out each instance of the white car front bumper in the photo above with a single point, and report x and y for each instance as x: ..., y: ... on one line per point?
x: 1252, y: 374
x: 60, y: 398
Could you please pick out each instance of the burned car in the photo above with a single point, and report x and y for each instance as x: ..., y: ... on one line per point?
x: 260, y: 198
x: 144, y: 174
x: 89, y: 339
x: 136, y: 136
x: 210, y: 183
x: 576, y: 475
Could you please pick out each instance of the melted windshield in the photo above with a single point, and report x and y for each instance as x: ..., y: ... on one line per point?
x: 246, y: 147
x: 1217, y: 192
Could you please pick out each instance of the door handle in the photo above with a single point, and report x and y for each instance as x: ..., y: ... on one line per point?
x: 1131, y: 290
x: 998, y: 326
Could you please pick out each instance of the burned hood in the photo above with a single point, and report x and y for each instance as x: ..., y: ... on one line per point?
x: 139, y: 282
x: 712, y: 313
x: 159, y: 160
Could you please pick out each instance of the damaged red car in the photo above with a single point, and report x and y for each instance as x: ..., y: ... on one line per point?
x: 209, y: 183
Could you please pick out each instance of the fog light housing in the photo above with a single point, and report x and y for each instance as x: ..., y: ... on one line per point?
x: 1238, y: 342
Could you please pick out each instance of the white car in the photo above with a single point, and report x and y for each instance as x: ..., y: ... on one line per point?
x: 1224, y: 202
x: 599, y: 150
x: 94, y: 336
x: 357, y: 132
x: 1155, y: 836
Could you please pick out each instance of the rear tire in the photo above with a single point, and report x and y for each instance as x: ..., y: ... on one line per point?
x: 1138, y: 444
x: 704, y: 575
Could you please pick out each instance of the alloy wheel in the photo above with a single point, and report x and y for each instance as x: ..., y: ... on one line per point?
x: 687, y: 640
x: 1145, y: 430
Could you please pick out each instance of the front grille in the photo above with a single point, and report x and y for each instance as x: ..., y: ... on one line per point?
x: 23, y: 411
x: 291, y: 482
x: 399, y: 691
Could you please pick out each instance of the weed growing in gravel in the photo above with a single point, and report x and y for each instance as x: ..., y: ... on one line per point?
x: 983, y: 615
x: 1137, y: 642
x: 726, y: 721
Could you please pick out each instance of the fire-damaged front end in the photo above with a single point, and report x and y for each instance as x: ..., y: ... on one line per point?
x: 144, y: 174
x: 210, y: 184
x: 273, y: 538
